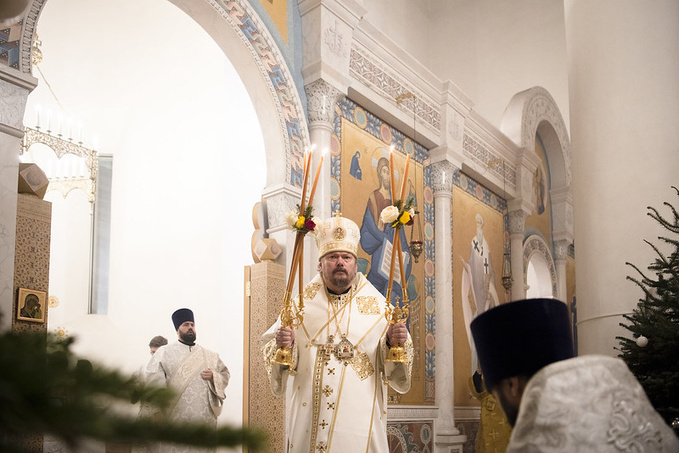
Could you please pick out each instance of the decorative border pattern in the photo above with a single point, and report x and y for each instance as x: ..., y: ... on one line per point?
x: 411, y: 437
x: 254, y: 34
x: 541, y: 107
x: 367, y: 69
x: 483, y: 156
x: 480, y: 192
x: 373, y: 125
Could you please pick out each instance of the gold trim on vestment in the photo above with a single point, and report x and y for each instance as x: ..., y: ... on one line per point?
x: 367, y: 305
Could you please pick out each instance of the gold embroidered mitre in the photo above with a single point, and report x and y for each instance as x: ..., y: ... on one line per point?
x: 337, y: 234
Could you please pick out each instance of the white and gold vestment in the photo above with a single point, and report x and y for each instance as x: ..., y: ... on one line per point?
x: 178, y: 366
x: 339, y: 376
x: 589, y: 403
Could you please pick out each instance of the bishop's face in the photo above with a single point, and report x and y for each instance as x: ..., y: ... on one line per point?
x: 187, y: 332
x: 338, y: 270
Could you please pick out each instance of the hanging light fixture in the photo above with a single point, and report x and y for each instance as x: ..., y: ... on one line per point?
x: 507, y: 279
x: 416, y: 244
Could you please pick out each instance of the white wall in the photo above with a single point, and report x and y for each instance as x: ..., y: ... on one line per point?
x: 491, y: 49
x: 150, y: 87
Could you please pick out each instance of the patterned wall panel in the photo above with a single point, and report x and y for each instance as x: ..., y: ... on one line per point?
x: 262, y: 409
x: 415, y: 437
x: 31, y: 268
x: 32, y: 253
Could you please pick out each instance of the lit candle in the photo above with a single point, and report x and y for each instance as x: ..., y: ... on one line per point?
x: 307, y: 160
x: 395, y: 246
x: 313, y: 187
x: 405, y: 178
x: 397, y: 249
x: 391, y: 172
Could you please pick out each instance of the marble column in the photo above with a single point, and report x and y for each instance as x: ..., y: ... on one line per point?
x: 560, y: 259
x: 446, y: 433
x: 624, y: 105
x: 517, y: 226
x: 321, y: 101
x: 15, y: 88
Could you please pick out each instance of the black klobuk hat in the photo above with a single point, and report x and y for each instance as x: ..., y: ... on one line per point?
x: 180, y: 316
x: 520, y: 338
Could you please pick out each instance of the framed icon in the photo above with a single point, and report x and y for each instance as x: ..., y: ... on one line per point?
x: 31, y: 305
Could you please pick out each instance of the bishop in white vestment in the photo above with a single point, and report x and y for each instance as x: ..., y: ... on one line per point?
x: 197, y: 374
x: 339, y: 372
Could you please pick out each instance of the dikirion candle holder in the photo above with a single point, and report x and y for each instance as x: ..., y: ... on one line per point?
x: 302, y: 222
x: 397, y: 215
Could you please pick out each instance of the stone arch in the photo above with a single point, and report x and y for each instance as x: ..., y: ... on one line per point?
x: 535, y: 246
x: 245, y: 40
x: 532, y: 112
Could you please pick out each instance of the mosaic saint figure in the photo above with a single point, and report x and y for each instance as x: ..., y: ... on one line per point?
x: 376, y: 237
x: 478, y: 283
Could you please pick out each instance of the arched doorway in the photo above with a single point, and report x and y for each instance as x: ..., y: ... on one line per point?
x: 182, y: 164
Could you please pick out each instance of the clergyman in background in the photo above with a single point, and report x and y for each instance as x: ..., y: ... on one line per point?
x: 558, y: 402
x: 197, y: 374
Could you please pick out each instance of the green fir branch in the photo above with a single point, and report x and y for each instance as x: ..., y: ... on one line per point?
x: 46, y: 389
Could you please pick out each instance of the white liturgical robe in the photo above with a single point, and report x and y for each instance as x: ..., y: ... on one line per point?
x: 339, y: 402
x: 178, y: 366
x: 589, y: 403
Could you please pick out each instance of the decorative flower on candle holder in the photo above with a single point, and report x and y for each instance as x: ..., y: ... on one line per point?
x: 398, y: 214
x: 303, y: 224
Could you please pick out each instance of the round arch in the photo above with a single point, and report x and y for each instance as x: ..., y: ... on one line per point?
x: 534, y: 112
x: 539, y: 268
x: 246, y: 41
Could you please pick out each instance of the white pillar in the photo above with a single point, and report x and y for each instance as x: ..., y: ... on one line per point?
x: 560, y: 259
x: 447, y: 435
x: 624, y: 104
x: 517, y: 226
x: 321, y: 101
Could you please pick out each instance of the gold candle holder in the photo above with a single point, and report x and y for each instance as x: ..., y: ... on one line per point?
x: 288, y: 317
x: 400, y: 312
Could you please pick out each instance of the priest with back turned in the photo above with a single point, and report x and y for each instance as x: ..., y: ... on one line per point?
x: 339, y: 370
x: 558, y: 402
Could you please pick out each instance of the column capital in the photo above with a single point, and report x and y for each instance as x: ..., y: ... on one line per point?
x: 442, y: 177
x: 321, y: 100
x: 561, y: 249
x: 279, y: 201
x: 517, y: 222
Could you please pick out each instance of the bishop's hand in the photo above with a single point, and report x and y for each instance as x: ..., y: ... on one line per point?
x: 285, y: 337
x: 397, y: 334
